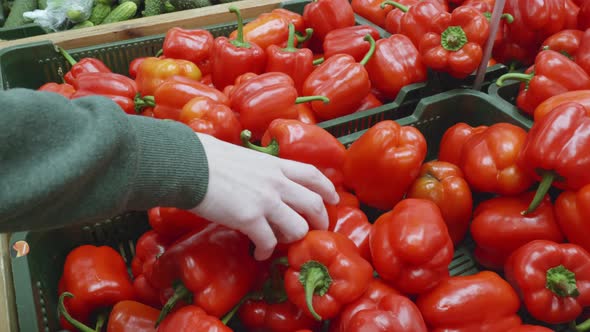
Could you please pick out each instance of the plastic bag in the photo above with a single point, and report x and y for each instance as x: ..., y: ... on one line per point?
x: 59, y: 13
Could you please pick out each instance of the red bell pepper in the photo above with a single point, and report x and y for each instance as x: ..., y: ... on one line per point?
x: 530, y: 328
x: 555, y: 150
x: 352, y: 222
x: 581, y: 97
x: 172, y: 223
x: 305, y: 113
x: 349, y: 40
x: 295, y: 62
x: 371, y: 10
x: 265, y: 30
x: 451, y: 144
x: 120, y: 89
x: 177, y: 91
x: 583, y: 55
x: 206, y: 116
x: 63, y: 89
x: 149, y: 246
x: 192, y: 318
x: 85, y: 65
x: 146, y: 293
x: 552, y: 279
x: 395, y: 154
x: 411, y: 246
x: 584, y: 16
x: 326, y: 271
x: 234, y: 57
x: 265, y: 98
x: 347, y: 199
x: 480, y: 302
x: 572, y: 211
x: 416, y: 19
x: 395, y: 64
x: 444, y: 184
x: 511, y: 52
x: 369, y: 102
x: 195, y: 46
x: 486, y: 7
x: 324, y: 16
x: 152, y: 72
x: 294, y: 18
x: 552, y: 74
x: 343, y: 81
x: 458, y: 49
x: 134, y: 66
x: 93, y: 277
x: 499, y: 227
x: 306, y: 143
x: 221, y: 252
x: 131, y: 316
x: 566, y: 42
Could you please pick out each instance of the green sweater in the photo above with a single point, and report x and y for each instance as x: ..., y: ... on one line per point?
x: 64, y: 162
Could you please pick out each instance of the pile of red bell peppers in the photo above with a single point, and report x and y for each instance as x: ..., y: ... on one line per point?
x: 265, y: 87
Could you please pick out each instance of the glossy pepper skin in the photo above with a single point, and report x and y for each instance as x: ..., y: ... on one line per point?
x: 581, y: 97
x: 499, y: 227
x: 192, y: 318
x: 206, y: 116
x: 583, y: 54
x: 223, y: 253
x: 152, y: 72
x: 371, y: 10
x: 555, y: 150
x: 552, y: 74
x: 343, y: 81
x: 572, y: 209
x: 396, y: 154
x: 172, y: 223
x: 479, y: 302
x: 306, y: 143
x: 458, y: 49
x: 195, y: 46
x: 369, y: 102
x: 131, y: 316
x: 267, y: 29
x: 553, y: 279
x: 234, y: 57
x: 146, y: 293
x: 584, y: 16
x: 486, y: 7
x: 260, y: 315
x: 305, y: 114
x: 395, y: 64
x: 566, y: 42
x: 411, y: 247
x: 120, y: 89
x: 324, y: 16
x: 352, y: 222
x: 175, y: 92
x: 63, y: 89
x: 349, y: 40
x: 85, y: 65
x: 451, y: 144
x: 295, y: 62
x: 97, y: 277
x: 489, y: 160
x: 326, y: 271
x: 530, y: 328
x: 444, y: 184
x: 148, y: 247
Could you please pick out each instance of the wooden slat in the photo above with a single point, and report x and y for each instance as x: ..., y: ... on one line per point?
x: 147, y: 26
x: 8, y: 320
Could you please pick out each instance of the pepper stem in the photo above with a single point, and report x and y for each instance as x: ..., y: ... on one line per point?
x: 180, y: 293
x: 301, y: 100
x: 303, y: 39
x: 544, y: 186
x: 507, y: 17
x: 100, y: 322
x: 583, y: 327
x: 272, y: 148
x: 371, y: 51
x: 318, y: 61
x: 396, y: 5
x: 316, y: 280
x: 453, y: 38
x: 239, y: 41
x: 291, y: 40
x: 142, y: 102
x: 526, y: 78
x: 225, y: 319
x: 159, y: 53
x: 562, y: 282
x: 67, y: 56
x: 61, y: 308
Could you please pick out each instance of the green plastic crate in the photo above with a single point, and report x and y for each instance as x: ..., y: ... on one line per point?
x: 27, y: 30
x: 507, y: 92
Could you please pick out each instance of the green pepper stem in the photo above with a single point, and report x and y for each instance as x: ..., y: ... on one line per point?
x: 562, y: 282
x: 280, y: 261
x: 582, y: 327
x: 301, y: 100
x: 453, y: 38
x: 100, y: 322
x: 291, y: 40
x: 507, y: 17
x: 180, y: 293
x: 67, y: 56
x: 142, y: 102
x: 61, y: 308
x: 396, y: 5
x: 526, y: 78
x: 225, y: 319
x: 272, y: 148
x: 318, y: 61
x: 303, y: 39
x: 316, y: 280
x: 159, y: 53
x: 239, y: 41
x: 544, y: 186
x: 371, y: 51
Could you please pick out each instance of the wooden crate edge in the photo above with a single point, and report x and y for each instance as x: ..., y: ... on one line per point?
x: 8, y: 319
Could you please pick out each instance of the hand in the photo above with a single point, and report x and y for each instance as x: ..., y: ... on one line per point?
x: 265, y: 197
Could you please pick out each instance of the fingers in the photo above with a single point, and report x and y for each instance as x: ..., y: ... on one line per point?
x: 310, y: 177
x: 290, y: 225
x: 263, y: 237
x: 307, y: 203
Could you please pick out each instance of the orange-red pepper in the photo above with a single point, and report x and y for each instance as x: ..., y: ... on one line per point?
x: 324, y: 16
x: 192, y: 318
x: 152, y: 72
x: 206, y: 116
x: 352, y: 222
x: 131, y: 316
x: 195, y: 46
x: 451, y: 144
x: 572, y: 209
x: 63, y: 89
x: 566, y: 42
x: 349, y: 40
x: 581, y: 97
x: 120, y: 89
x: 583, y: 54
x: 267, y: 29
x: 371, y: 10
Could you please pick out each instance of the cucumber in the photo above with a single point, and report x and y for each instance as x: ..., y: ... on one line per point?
x: 122, y: 12
x: 19, y: 7
x: 99, y: 13
x: 154, y: 7
x: 189, y: 4
x: 137, y: 2
x: 85, y: 24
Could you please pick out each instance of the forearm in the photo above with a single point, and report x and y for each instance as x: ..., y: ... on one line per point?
x: 64, y: 162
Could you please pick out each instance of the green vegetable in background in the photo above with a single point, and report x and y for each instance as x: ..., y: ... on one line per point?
x: 189, y: 4
x: 99, y: 13
x: 85, y: 24
x: 153, y: 7
x: 122, y: 12
x: 15, y: 18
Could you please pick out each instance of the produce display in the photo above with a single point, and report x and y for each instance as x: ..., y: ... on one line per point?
x: 516, y: 196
